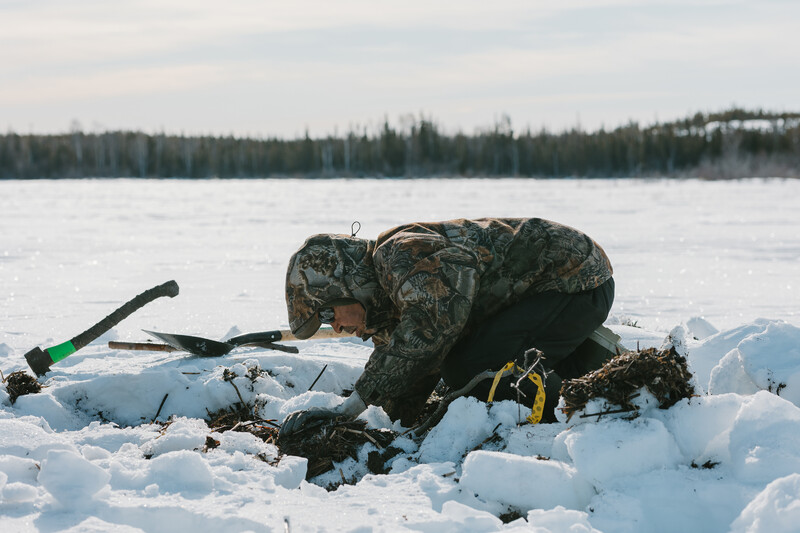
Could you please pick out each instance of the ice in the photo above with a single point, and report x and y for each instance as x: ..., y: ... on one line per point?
x: 291, y: 472
x: 18, y: 468
x: 762, y: 437
x: 765, y: 359
x: 233, y: 441
x: 772, y: 360
x: 525, y: 482
x: 561, y: 519
x: 706, y: 355
x: 49, y: 408
x: 618, y: 448
x: 699, y: 328
x: 70, y: 478
x: 775, y: 510
x: 701, y: 426
x: 19, y: 493
x: 182, y: 434
x: 467, y: 519
x: 182, y: 471
x: 463, y: 427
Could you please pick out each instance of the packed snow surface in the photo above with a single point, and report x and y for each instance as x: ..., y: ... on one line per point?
x: 710, y: 267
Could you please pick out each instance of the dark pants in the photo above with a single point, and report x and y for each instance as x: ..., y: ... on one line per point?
x: 555, y: 323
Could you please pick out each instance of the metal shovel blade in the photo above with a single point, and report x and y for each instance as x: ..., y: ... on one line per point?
x: 194, y: 345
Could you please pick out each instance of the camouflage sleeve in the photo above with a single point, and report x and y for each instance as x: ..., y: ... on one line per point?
x: 432, y: 282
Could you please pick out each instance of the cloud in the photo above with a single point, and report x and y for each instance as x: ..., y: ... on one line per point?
x: 109, y: 84
x: 353, y: 58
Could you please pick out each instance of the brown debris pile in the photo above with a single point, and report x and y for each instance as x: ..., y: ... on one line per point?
x: 663, y: 372
x: 21, y: 383
x: 239, y: 418
x: 332, y: 441
x: 322, y: 444
x: 432, y: 404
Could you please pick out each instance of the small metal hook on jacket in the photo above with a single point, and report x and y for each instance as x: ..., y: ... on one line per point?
x: 353, y: 229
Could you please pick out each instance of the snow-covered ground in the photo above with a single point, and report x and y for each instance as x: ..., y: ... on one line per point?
x: 714, y: 263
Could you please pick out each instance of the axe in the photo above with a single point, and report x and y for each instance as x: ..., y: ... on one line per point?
x: 40, y: 360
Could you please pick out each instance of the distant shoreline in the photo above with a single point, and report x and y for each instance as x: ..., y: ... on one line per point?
x: 729, y: 145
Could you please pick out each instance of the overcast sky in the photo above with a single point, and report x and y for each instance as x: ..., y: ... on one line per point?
x: 264, y: 68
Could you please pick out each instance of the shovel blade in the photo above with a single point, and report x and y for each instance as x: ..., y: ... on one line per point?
x: 194, y: 345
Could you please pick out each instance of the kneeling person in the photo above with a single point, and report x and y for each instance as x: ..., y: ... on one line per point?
x: 449, y: 300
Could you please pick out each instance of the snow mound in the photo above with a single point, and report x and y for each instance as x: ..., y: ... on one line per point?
x: 525, y: 482
x: 70, y: 478
x: 768, y: 359
x: 774, y: 510
x: 463, y: 427
x: 706, y: 354
x: 182, y: 471
x: 617, y: 448
x: 699, y: 328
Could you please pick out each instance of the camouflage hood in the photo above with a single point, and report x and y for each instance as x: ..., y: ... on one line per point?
x: 328, y: 269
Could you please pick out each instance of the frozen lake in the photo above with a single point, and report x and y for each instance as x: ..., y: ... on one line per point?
x: 71, y: 251
x: 85, y: 455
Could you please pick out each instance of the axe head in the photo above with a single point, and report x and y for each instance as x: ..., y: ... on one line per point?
x: 39, y: 361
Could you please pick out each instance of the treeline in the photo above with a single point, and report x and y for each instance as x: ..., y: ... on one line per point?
x: 713, y: 145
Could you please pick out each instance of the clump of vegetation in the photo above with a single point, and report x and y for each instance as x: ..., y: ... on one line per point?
x: 664, y: 373
x: 334, y: 441
x: 20, y: 383
x: 323, y: 444
x: 239, y: 418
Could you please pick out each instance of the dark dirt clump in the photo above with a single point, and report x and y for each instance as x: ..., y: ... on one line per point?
x: 322, y: 444
x: 332, y: 441
x: 376, y: 460
x: 239, y: 418
x: 21, y: 383
x: 511, y: 515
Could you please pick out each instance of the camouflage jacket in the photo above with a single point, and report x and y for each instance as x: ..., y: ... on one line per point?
x: 426, y: 285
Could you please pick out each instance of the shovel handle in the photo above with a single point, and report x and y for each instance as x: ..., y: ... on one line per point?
x: 283, y: 335
x: 322, y: 333
x: 141, y: 346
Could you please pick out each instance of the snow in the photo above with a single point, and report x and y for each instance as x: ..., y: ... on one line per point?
x: 70, y: 478
x: 754, y: 125
x: 525, y: 482
x: 775, y: 508
x: 709, y: 267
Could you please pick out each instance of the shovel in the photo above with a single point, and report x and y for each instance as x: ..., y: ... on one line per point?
x: 211, y: 348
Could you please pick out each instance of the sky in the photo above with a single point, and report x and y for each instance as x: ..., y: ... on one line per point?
x: 265, y: 68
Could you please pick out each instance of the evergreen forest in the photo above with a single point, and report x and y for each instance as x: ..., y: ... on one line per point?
x: 730, y: 144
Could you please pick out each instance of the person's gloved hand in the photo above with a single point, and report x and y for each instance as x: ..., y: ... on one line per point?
x: 350, y: 408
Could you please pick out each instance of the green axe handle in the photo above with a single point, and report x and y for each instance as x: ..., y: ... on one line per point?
x: 40, y: 360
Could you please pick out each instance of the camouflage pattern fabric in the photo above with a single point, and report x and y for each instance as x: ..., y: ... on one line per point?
x: 425, y: 285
